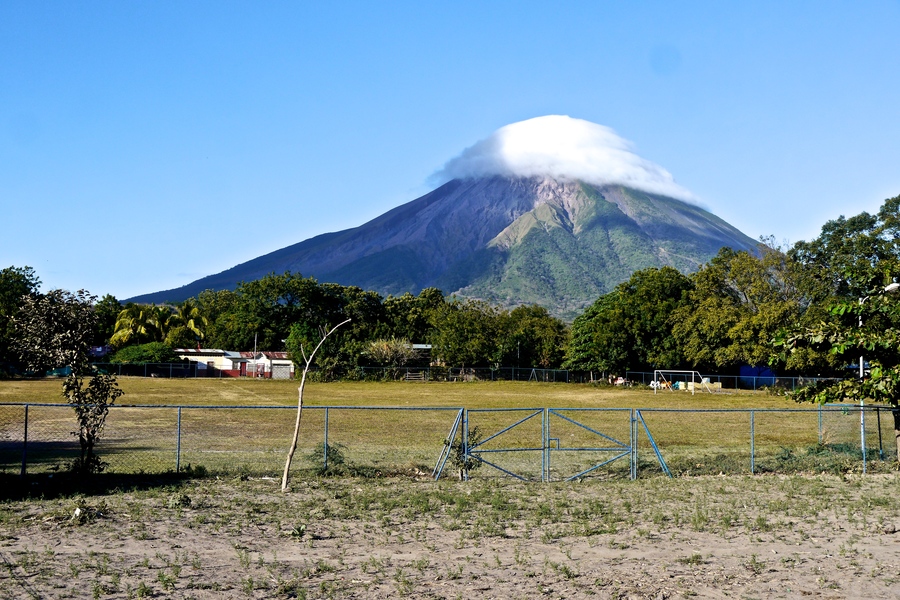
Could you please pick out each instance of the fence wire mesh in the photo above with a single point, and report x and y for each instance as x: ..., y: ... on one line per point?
x: 532, y: 444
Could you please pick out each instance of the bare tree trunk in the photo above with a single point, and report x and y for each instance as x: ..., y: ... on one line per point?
x: 293, y: 448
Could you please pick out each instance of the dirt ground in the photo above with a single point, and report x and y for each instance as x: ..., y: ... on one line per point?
x: 813, y: 536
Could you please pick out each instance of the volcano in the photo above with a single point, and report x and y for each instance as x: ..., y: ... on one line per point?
x: 507, y: 240
x: 552, y: 211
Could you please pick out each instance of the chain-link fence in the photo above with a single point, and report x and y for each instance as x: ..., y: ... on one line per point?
x: 435, y: 373
x: 528, y: 443
x: 39, y: 438
x: 832, y: 438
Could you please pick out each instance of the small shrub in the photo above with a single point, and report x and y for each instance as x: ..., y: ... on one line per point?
x: 694, y: 559
x: 331, y: 460
x: 198, y: 472
x: 83, y: 513
x: 462, y: 462
x: 178, y: 500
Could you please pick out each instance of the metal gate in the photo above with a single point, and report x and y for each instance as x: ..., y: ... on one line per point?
x: 576, y: 446
x: 548, y: 444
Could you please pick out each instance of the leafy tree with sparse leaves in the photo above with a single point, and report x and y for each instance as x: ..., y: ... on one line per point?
x: 91, y: 398
x: 393, y: 353
x: 55, y: 330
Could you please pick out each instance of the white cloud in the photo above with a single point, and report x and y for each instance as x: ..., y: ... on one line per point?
x: 564, y: 148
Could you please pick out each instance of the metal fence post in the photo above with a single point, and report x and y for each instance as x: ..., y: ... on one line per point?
x: 178, y: 444
x: 545, y: 445
x: 634, y: 439
x: 465, y: 443
x: 820, y: 424
x: 880, y: 444
x: 862, y: 433
x: 752, y: 443
x: 25, y: 443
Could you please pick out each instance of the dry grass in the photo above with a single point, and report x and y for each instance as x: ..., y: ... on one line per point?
x: 488, y: 394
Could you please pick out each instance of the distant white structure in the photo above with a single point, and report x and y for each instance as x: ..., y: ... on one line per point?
x: 216, y: 362
x: 270, y: 365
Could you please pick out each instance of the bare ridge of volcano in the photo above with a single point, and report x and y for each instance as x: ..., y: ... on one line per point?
x: 507, y: 239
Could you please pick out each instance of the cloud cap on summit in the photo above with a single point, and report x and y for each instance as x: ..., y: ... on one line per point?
x: 562, y: 147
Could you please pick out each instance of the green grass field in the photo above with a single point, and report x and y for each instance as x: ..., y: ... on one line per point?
x: 404, y: 425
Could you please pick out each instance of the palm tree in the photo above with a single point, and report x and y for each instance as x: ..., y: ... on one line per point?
x: 134, y: 325
x: 187, y: 314
x: 163, y: 320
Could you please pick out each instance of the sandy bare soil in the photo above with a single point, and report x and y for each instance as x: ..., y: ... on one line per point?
x: 706, y: 537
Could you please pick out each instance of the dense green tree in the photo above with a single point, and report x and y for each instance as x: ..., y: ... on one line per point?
x: 181, y: 337
x: 410, y: 317
x: 107, y: 309
x: 738, y: 303
x: 151, y: 352
x: 852, y: 258
x: 220, y: 308
x: 347, y: 347
x: 585, y: 351
x: 649, y: 300
x: 630, y: 328
x: 532, y: 338
x: 855, y: 255
x: 261, y: 312
x: 15, y: 284
x: 467, y: 333
x: 365, y: 308
x: 858, y: 258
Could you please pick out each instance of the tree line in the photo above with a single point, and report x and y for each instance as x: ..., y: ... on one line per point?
x: 809, y: 309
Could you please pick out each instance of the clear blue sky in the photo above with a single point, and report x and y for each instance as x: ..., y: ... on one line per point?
x: 146, y: 144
